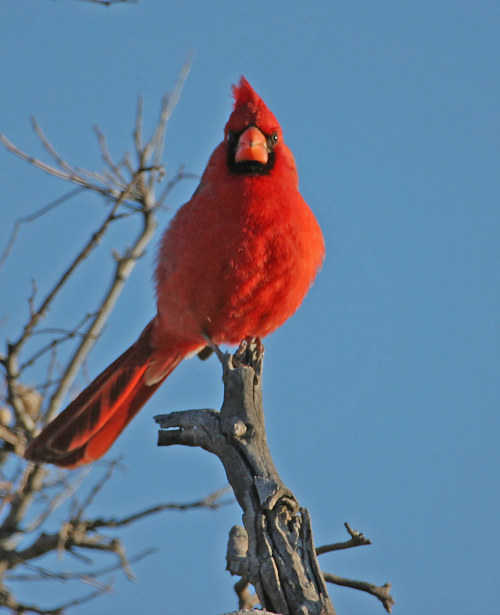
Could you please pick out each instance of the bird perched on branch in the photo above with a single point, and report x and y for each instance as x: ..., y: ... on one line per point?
x: 235, y: 263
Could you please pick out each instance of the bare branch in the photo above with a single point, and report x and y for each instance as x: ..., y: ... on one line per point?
x: 43, y: 574
x: 22, y: 539
x: 357, y: 539
x: 11, y: 437
x: 210, y: 502
x: 71, y: 535
x: 380, y: 592
x: 31, y: 482
x: 38, y: 314
x: 280, y: 561
x: 179, y: 176
x: 123, y: 269
x: 58, y: 500
x: 139, y: 122
x: 73, y: 178
x: 30, y: 218
x: 96, y: 489
x: 66, y: 335
x: 168, y: 106
x: 50, y: 149
x: 111, y: 2
x: 8, y: 601
x: 106, y: 156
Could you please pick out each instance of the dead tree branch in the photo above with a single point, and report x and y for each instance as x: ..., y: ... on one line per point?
x: 280, y: 561
x: 380, y: 592
x: 357, y: 540
x: 274, y: 550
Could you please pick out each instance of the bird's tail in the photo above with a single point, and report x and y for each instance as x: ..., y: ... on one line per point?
x: 87, y: 428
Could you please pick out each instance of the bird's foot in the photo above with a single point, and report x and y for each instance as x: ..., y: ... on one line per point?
x: 250, y: 352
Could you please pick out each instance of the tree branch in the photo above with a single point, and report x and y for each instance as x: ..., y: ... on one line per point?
x: 357, y: 539
x: 382, y: 593
x: 32, y: 493
x: 211, y: 501
x: 8, y: 601
x: 274, y: 550
x: 280, y: 560
x: 31, y: 217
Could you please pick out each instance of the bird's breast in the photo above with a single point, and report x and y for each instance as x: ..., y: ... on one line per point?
x: 237, y: 271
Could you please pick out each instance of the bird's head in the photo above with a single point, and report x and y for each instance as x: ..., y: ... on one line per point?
x: 252, y: 133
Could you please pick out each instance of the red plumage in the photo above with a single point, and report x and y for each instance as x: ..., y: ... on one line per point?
x: 235, y: 262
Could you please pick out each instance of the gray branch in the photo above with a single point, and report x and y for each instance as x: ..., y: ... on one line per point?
x: 275, y: 550
x: 381, y: 592
x: 358, y: 539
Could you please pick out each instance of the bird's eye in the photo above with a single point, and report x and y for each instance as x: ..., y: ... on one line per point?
x: 274, y: 138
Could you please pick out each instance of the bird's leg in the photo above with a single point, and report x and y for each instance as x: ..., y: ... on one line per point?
x: 206, y: 352
x: 209, y: 348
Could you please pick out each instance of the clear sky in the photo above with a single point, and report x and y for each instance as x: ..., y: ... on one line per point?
x: 382, y: 393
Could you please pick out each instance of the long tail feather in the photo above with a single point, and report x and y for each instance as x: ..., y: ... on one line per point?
x: 87, y: 428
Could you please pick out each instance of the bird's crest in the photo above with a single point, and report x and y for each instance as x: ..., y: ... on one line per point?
x: 249, y: 108
x: 244, y: 93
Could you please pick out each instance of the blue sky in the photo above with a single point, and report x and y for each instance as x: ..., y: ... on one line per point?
x: 382, y: 393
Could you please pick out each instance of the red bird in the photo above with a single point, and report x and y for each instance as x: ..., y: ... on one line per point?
x: 235, y: 263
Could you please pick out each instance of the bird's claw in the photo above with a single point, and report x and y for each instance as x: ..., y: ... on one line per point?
x: 250, y: 352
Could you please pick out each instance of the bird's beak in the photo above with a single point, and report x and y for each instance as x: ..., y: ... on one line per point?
x: 252, y: 145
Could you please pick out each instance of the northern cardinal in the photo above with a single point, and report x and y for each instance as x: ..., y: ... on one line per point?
x: 235, y: 263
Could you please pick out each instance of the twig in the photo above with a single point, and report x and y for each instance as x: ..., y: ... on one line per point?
x: 139, y: 120
x: 96, y: 489
x: 168, y: 106
x: 89, y: 246
x: 51, y: 367
x: 211, y: 502
x: 43, y: 574
x: 357, y: 539
x: 47, y: 168
x: 106, y: 156
x: 170, y: 185
x: 380, y: 592
x: 8, y: 601
x: 57, y: 501
x: 122, y: 271
x: 70, y: 535
x: 31, y: 217
x: 30, y: 482
x: 67, y: 335
x: 50, y: 149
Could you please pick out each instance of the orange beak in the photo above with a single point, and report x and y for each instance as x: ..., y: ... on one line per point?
x: 252, y: 145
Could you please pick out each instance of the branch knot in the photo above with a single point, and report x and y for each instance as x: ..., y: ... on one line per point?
x: 239, y: 429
